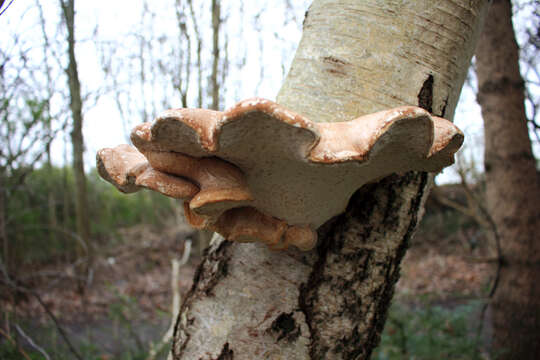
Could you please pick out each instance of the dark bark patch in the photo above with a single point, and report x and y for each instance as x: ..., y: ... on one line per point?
x: 285, y: 327
x: 393, y: 267
x: 226, y: 353
x: 391, y: 218
x: 425, y: 96
x: 209, y: 276
x: 443, y: 110
x: 336, y: 66
x: 307, y: 294
x: 334, y: 60
x: 330, y: 249
x: 305, y: 18
x: 501, y: 85
x: 336, y: 72
x: 347, y: 243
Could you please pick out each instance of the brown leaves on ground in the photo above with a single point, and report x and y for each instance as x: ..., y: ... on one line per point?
x: 136, y: 275
x: 442, y: 276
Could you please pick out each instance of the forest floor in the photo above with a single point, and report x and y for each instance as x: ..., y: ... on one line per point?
x: 128, y: 302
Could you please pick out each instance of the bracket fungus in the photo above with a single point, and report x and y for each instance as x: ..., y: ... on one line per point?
x: 260, y: 172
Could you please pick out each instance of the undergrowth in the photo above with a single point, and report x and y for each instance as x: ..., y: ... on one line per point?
x: 430, y: 332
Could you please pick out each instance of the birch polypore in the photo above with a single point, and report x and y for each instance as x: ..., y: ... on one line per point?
x: 265, y: 173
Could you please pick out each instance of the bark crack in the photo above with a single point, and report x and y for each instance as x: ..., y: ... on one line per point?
x: 425, y: 96
x: 336, y: 66
x: 226, y: 353
x: 286, y: 327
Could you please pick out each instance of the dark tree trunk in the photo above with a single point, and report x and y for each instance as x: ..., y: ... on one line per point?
x: 3, y: 227
x: 512, y: 185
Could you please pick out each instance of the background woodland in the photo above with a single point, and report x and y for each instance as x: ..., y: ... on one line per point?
x: 90, y: 273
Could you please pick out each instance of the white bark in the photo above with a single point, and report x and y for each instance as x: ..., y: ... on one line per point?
x: 359, y: 57
x: 355, y: 57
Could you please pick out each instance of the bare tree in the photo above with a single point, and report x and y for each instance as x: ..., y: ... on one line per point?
x: 512, y: 187
x: 331, y: 303
x: 198, y: 51
x: 51, y: 201
x: 77, y: 140
x: 214, y: 77
x: 25, y: 129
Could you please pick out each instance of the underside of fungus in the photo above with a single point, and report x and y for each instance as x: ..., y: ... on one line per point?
x: 260, y: 172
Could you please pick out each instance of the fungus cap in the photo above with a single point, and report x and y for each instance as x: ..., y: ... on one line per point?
x: 263, y: 172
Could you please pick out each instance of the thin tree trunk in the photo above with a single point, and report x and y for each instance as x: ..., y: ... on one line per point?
x: 214, y: 77
x: 3, y: 227
x: 199, y: 50
x: 142, y: 72
x: 204, y: 236
x: 77, y: 141
x: 184, y: 68
x: 512, y: 186
x: 66, y: 196
x: 355, y: 57
x: 51, y: 201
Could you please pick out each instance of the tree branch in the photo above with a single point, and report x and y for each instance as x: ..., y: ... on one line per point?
x: 8, y: 5
x: 10, y: 339
x: 32, y: 343
x: 8, y: 281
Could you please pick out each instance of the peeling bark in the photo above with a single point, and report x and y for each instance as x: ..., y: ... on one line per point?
x: 355, y: 58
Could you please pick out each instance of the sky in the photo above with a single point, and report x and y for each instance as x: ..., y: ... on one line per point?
x: 119, y: 19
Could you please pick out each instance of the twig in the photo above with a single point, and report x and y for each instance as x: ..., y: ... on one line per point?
x: 497, y: 238
x: 32, y: 343
x: 154, y: 350
x: 187, y: 253
x: 58, y: 327
x: 10, y: 283
x: 15, y: 344
x: 466, y: 210
x: 8, y: 5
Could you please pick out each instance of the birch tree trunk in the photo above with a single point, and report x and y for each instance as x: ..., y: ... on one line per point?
x: 512, y: 187
x: 355, y: 57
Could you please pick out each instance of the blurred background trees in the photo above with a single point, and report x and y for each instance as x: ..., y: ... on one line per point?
x: 176, y: 58
x: 132, y: 60
x: 512, y: 183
